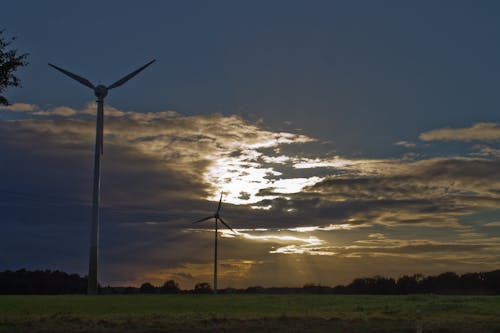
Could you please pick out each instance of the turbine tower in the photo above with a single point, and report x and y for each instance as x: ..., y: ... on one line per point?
x: 217, y: 218
x: 100, y: 91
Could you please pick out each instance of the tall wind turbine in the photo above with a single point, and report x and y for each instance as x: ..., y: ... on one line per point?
x: 217, y: 218
x: 100, y: 91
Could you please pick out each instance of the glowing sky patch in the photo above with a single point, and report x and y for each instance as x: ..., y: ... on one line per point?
x: 298, y: 249
x: 308, y: 163
x: 330, y: 227
x: 239, y: 180
x: 311, y: 240
x: 266, y: 207
x: 239, y: 175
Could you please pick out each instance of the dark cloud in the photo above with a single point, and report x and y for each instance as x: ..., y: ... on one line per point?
x: 426, y: 192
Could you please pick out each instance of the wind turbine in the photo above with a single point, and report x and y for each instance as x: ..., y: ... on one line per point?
x: 100, y: 91
x: 217, y: 218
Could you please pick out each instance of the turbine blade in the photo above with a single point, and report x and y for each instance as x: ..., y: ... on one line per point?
x: 227, y: 226
x: 203, y: 219
x: 129, y: 76
x: 220, y: 203
x: 78, y: 78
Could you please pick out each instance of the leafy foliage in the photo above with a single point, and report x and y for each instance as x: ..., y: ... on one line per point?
x: 10, y: 60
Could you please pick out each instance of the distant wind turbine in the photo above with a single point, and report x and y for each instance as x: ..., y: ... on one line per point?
x: 100, y: 91
x: 217, y: 218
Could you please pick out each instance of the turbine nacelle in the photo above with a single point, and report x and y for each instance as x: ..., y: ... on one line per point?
x: 101, y: 91
x: 217, y: 216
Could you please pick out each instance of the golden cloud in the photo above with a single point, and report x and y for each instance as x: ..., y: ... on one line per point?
x: 477, y: 132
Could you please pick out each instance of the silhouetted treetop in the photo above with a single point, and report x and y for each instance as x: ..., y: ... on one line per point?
x: 170, y: 287
x: 147, y: 288
x: 202, y: 288
x: 10, y: 60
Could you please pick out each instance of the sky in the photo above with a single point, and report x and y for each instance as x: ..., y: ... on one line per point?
x: 349, y: 139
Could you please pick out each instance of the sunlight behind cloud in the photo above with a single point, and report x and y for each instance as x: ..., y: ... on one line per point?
x: 238, y: 179
x: 241, y: 181
x: 327, y: 228
x: 311, y: 240
x: 240, y: 176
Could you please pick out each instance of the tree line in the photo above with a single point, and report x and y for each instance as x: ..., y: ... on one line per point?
x: 56, y: 282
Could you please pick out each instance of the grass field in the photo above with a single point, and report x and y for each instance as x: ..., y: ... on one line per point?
x: 249, y: 313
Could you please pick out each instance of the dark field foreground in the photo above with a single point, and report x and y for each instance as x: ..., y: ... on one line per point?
x: 249, y: 313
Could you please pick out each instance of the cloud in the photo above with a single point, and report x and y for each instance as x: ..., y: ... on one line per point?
x: 492, y: 224
x: 65, y: 111
x: 109, y: 111
x: 19, y: 107
x: 486, y: 151
x: 200, y: 154
x: 160, y: 169
x: 406, y: 144
x: 432, y: 192
x: 62, y: 111
x: 477, y: 132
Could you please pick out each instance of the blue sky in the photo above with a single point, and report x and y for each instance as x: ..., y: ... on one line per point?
x: 376, y: 120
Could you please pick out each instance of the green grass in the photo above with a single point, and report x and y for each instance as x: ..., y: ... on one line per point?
x: 248, y: 313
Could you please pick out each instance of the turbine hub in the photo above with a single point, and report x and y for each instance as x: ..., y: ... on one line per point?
x: 101, y: 91
x: 216, y: 215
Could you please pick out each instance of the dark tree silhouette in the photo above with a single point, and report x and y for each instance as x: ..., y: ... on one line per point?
x: 311, y: 288
x: 202, y: 288
x: 410, y: 284
x: 170, y: 287
x: 56, y: 282
x: 147, y: 288
x: 41, y: 282
x: 374, y: 285
x: 255, y: 290
x: 10, y: 60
